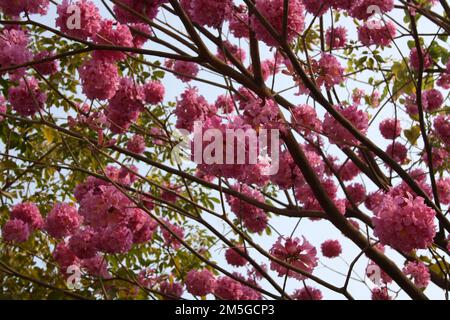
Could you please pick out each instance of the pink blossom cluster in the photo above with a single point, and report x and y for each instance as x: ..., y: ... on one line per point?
x: 404, y: 223
x: 200, y: 283
x: 336, y: 133
x: 331, y: 248
x: 210, y: 13
x: 307, y: 293
x: 27, y: 98
x: 273, y: 12
x: 237, y: 162
x: 442, y: 128
x: 87, y: 26
x: 234, y: 258
x: 154, y: 92
x: 136, y: 144
x: 125, y: 10
x: 336, y: 37
x: 14, y: 49
x: 107, y: 221
x: 125, y: 106
x: 99, y: 78
x: 16, y: 7
x: 390, y: 128
x: 419, y: 272
x: 380, y: 36
x: 24, y: 219
x: 304, y: 119
x: 192, y: 107
x: 295, y: 252
x: 254, y: 218
x: 62, y: 220
x: 328, y: 70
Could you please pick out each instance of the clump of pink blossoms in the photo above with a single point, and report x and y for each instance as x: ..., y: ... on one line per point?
x: 89, y: 22
x: 99, y: 78
x: 27, y: 98
x: 331, y: 248
x: 419, y: 272
x: 337, y: 134
x: 62, y: 220
x: 200, y: 283
x: 272, y: 10
x: 404, y: 223
x: 16, y: 7
x: 297, y: 253
x: 307, y: 293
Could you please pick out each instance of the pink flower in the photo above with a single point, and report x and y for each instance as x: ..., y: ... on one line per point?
x: 348, y: 171
x: 62, y: 220
x: 382, y: 36
x: 141, y: 33
x: 148, y: 9
x: 304, y: 119
x: 171, y: 290
x: 29, y: 213
x: 336, y: 37
x: 307, y: 293
x: 254, y: 218
x: 398, y: 152
x: 141, y: 225
x: 83, y: 243
x: 239, y: 22
x: 14, y: 49
x: 418, y: 272
x: 136, y: 144
x: 125, y: 106
x: 89, y: 23
x: 15, y: 230
x: 211, y: 13
x: 97, y: 266
x: 337, y: 134
x: 432, y: 100
x: 360, y: 8
x: 233, y: 49
x: 443, y: 186
x: 154, y: 92
x: 99, y: 78
x: 442, y: 128
x: 404, y: 223
x: 331, y: 248
x: 115, y: 239
x: 329, y: 71
x: 27, y: 98
x: 16, y: 7
x: 225, y: 103
x: 390, y: 128
x: 444, y: 79
x: 112, y: 34
x: 200, y: 283
x: 228, y: 289
x: 169, y: 237
x: 414, y: 59
x: 234, y: 258
x: 301, y: 255
x: 185, y: 70
x: 46, y: 68
x: 317, y: 8
x: 190, y: 108
x: 273, y: 11
x: 3, y: 108
x: 381, y: 294
x: 64, y: 257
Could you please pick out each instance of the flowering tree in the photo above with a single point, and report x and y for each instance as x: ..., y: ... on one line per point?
x: 295, y: 117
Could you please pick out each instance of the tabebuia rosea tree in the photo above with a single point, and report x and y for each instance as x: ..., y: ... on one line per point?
x: 242, y: 150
